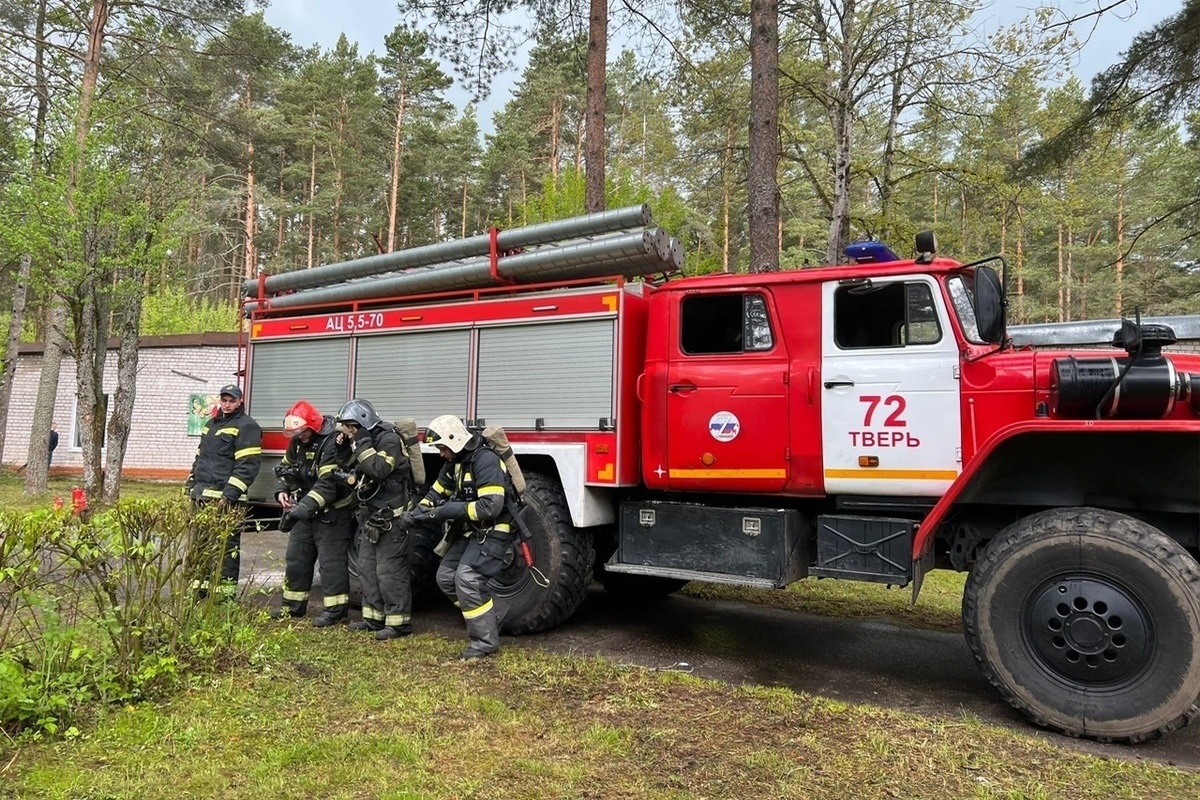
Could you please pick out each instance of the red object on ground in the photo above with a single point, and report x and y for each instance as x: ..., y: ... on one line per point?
x: 78, y: 500
x: 58, y: 503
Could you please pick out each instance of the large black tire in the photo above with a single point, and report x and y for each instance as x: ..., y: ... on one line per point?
x: 561, y: 553
x: 1088, y: 621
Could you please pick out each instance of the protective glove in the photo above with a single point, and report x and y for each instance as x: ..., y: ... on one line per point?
x: 297, y: 513
x: 421, y: 515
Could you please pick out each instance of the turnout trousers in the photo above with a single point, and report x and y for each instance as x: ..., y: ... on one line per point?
x: 385, y: 573
x: 323, y: 539
x: 463, y: 577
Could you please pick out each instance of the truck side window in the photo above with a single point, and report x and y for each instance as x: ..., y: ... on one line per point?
x: 887, y: 315
x: 725, y: 323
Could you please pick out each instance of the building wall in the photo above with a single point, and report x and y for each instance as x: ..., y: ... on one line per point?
x: 159, y: 444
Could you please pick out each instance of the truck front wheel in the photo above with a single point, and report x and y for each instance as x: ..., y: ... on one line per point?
x: 562, y: 557
x: 1088, y: 621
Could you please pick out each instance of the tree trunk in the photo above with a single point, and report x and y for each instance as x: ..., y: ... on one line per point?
x: 597, y: 102
x: 121, y: 418
x: 91, y: 312
x: 555, y: 125
x: 37, y: 460
x: 762, y: 177
x: 312, y: 203
x: 91, y: 350
x: 41, y: 88
x: 12, y: 343
x: 339, y: 180
x: 1062, y: 308
x: 1120, y: 261
x: 726, y: 191
x: 463, y: 231
x: 394, y: 189
x: 843, y: 131
x: 251, y: 269
x: 895, y: 109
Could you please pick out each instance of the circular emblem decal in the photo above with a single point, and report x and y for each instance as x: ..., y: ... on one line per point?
x: 724, y: 426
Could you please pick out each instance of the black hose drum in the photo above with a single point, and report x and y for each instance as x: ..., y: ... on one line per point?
x: 1149, y: 390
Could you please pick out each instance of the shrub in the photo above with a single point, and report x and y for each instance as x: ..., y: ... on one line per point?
x: 102, y: 609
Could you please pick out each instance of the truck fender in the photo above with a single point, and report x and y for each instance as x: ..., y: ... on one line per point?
x: 1166, y: 448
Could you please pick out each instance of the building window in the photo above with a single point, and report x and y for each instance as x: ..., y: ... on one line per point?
x: 77, y: 427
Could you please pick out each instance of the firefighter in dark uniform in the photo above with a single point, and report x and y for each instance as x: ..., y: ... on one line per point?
x: 319, y: 522
x: 385, y: 491
x: 227, y: 462
x: 469, y: 493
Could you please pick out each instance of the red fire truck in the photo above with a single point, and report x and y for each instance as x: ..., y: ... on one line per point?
x: 869, y: 422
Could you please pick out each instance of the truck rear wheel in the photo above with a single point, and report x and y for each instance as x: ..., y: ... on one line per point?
x: 561, y: 553
x: 1088, y: 621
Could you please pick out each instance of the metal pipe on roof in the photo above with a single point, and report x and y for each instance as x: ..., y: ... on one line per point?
x: 529, y: 236
x: 1094, y: 331
x: 626, y: 254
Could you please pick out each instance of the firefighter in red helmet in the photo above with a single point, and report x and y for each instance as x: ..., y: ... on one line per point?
x: 317, y: 502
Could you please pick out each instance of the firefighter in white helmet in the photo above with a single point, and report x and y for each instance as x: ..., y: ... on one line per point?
x: 318, y: 503
x: 469, y: 493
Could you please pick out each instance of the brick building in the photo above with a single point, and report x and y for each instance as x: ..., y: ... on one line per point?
x: 173, y: 371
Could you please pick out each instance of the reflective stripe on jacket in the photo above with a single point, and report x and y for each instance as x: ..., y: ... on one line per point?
x: 228, y: 457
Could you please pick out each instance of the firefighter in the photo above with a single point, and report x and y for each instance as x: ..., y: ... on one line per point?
x: 469, y: 493
x: 319, y: 522
x: 227, y: 462
x: 385, y: 491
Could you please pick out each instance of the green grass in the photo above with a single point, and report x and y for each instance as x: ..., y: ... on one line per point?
x: 13, y: 497
x: 938, y: 608
x: 336, y: 715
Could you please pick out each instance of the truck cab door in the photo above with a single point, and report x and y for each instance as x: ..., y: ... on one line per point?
x: 727, y: 394
x: 891, y: 421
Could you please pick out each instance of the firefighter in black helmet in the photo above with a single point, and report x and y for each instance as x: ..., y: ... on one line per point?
x: 385, y: 491
x: 227, y: 462
x: 469, y: 493
x: 317, y: 505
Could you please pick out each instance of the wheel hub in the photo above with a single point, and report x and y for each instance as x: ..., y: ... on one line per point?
x: 1089, y: 629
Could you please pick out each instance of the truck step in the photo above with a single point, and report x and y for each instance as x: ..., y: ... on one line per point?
x: 692, y: 575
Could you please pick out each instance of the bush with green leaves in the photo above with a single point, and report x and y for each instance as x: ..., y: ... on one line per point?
x: 102, y: 609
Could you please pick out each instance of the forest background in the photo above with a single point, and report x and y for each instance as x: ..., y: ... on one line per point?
x: 153, y: 158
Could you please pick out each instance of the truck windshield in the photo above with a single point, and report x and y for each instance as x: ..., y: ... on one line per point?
x: 962, y: 295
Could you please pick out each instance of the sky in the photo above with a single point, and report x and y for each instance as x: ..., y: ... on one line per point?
x: 368, y: 21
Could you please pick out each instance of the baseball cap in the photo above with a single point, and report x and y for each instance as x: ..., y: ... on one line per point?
x: 233, y: 390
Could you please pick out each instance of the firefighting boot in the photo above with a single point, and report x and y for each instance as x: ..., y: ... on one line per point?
x: 331, y: 616
x: 472, y: 654
x: 393, y: 632
x: 365, y: 625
